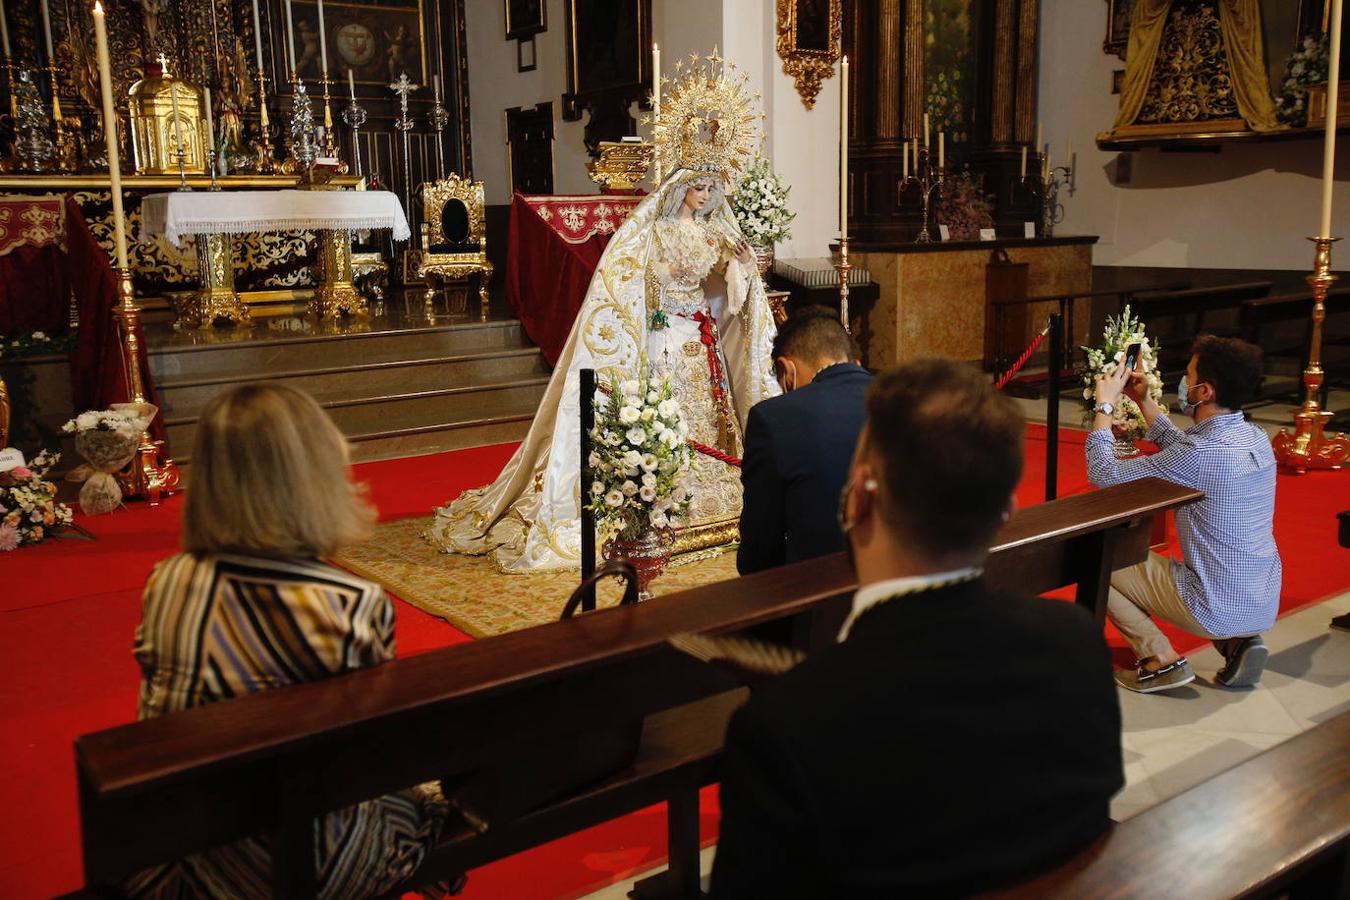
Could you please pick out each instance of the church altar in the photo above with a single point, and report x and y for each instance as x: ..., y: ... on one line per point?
x: 933, y: 295
x: 214, y: 216
x: 553, y: 246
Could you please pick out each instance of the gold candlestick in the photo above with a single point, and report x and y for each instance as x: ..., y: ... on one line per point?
x: 843, y: 267
x: 266, y: 161
x: 64, y: 140
x: 330, y: 144
x: 1309, y: 447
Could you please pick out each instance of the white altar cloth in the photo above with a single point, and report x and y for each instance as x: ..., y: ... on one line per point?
x: 179, y: 213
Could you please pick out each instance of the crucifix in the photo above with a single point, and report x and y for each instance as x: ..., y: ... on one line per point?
x: 163, y: 64
x: 403, y: 87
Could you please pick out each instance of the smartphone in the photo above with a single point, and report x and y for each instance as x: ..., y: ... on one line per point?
x: 1132, y: 356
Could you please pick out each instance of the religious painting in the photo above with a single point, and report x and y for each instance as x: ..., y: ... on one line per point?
x: 809, y: 33
x: 607, y: 43
x: 949, y: 68
x: 376, y: 40
x: 525, y: 18
x: 1119, y: 14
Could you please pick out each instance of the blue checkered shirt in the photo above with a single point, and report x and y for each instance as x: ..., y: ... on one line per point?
x: 1229, y: 576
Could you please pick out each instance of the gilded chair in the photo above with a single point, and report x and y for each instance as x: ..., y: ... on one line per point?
x: 454, y: 237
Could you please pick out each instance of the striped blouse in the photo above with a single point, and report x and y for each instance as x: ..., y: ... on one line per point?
x: 220, y: 626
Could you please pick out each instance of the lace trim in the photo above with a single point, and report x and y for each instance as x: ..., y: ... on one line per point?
x: 973, y: 575
x: 174, y: 231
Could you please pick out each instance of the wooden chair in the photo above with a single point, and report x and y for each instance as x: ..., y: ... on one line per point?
x: 269, y: 763
x: 454, y: 240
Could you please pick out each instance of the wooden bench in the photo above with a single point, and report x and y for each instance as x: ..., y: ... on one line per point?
x: 269, y: 763
x: 1276, y: 824
x: 1189, y: 309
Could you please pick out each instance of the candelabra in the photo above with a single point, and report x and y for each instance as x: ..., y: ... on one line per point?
x: 439, y: 117
x: 64, y: 144
x: 330, y: 142
x: 1309, y: 447
x: 404, y: 123
x: 355, y: 116
x: 300, y: 144
x: 34, y: 148
x: 1043, y: 190
x: 928, y: 178
x: 266, y: 162
x: 843, y: 266
x: 151, y: 473
x: 11, y: 161
x: 212, y: 155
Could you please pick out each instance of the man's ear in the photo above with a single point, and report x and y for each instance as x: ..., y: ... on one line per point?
x: 787, y: 368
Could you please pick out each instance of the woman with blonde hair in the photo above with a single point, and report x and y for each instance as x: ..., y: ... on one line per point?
x: 249, y: 605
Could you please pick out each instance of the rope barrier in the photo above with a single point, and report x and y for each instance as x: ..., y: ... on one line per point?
x: 1021, y: 360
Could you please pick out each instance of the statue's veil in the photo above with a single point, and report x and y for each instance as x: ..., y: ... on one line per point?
x: 529, y: 518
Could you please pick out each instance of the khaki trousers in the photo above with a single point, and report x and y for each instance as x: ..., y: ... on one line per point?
x: 1141, y: 593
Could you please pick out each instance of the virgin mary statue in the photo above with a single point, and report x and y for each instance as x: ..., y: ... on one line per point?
x: 676, y: 287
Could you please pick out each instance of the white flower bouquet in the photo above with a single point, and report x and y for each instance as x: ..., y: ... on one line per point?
x: 107, y: 439
x: 760, y: 206
x: 1308, y: 65
x: 1120, y: 332
x: 640, y: 461
x: 28, y: 508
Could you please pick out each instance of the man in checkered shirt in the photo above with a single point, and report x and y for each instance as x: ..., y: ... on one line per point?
x: 1227, y: 585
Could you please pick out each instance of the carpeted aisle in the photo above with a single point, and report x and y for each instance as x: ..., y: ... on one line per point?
x: 68, y: 610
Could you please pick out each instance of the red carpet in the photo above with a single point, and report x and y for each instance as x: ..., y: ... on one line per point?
x: 69, y: 609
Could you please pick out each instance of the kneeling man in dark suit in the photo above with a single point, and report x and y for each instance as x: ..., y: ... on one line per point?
x: 957, y: 737
x: 798, y: 445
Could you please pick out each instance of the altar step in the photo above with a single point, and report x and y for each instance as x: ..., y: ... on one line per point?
x: 396, y: 390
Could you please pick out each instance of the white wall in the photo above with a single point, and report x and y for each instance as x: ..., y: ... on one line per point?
x: 803, y: 144
x: 1248, y: 206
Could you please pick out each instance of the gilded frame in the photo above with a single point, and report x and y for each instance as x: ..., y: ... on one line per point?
x: 525, y: 18
x: 584, y: 78
x: 809, y: 40
x: 1119, y: 14
x: 435, y: 196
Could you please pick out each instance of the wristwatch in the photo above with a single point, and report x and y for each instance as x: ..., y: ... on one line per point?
x: 1106, y: 409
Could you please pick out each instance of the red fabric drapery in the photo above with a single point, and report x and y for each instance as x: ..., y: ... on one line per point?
x: 552, y: 249
x: 36, y: 283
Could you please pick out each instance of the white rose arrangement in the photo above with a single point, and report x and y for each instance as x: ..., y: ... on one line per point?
x: 760, y: 205
x: 1120, y: 332
x: 640, y: 460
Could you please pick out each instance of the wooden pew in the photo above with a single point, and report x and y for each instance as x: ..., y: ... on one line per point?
x: 1189, y: 309
x: 1256, y: 315
x: 1278, y: 823
x: 269, y: 763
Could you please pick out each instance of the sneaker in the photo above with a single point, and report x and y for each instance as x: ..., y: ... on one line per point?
x: 1142, y: 681
x: 1244, y: 664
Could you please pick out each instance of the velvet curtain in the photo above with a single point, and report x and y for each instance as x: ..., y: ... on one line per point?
x: 1240, y: 21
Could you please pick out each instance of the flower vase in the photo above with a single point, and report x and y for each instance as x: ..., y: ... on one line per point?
x: 764, y: 262
x: 649, y: 552
x: 1125, y: 443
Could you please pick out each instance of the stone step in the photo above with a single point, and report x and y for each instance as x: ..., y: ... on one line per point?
x: 439, y: 438
x: 245, y: 360
x: 390, y: 419
x: 185, y: 398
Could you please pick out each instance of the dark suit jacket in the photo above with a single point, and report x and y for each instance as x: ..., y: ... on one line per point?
x: 958, y: 738
x: 797, y: 453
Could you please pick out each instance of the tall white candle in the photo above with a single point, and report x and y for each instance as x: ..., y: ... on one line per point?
x: 177, y: 122
x: 1329, y: 142
x: 904, y: 161
x: 47, y: 32
x: 1039, y: 145
x: 4, y: 30
x: 1068, y: 152
x: 843, y: 149
x: 436, y: 87
x: 110, y: 134
x: 323, y: 41
x: 942, y: 150
x: 1046, y: 168
x: 656, y: 80
x: 257, y: 34
x: 290, y: 39
x: 925, y: 130
x: 1024, y: 161
x: 351, y: 83
x: 210, y: 124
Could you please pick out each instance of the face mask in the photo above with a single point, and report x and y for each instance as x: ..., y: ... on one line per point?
x: 1185, y: 406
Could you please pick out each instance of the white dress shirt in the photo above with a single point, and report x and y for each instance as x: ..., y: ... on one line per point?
x: 870, y: 595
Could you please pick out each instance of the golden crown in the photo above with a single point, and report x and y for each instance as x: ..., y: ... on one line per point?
x: 708, y: 119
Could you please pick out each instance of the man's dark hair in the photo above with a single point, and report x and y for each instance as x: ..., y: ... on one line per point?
x: 949, y: 450
x: 1232, y: 366
x: 814, y: 334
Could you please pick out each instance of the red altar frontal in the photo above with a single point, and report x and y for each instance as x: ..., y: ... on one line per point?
x: 552, y: 250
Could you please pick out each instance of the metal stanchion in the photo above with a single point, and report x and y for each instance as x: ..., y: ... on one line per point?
x: 1056, y: 362
x: 587, y: 391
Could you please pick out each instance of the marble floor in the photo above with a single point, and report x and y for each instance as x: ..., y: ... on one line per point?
x: 1173, y: 741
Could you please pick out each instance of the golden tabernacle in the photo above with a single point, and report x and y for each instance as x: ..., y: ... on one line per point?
x: 166, y: 113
